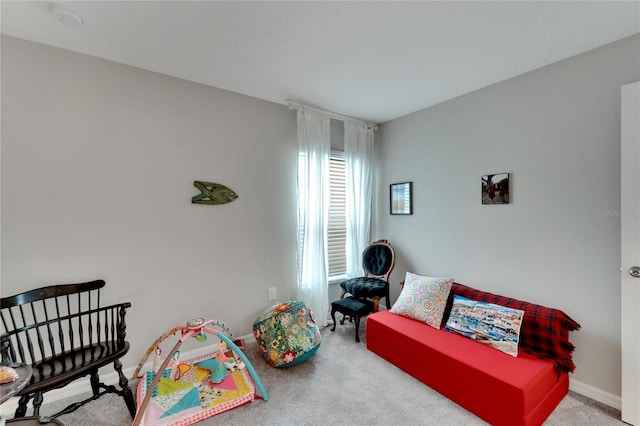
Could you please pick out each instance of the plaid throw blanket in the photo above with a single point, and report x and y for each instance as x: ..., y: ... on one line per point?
x: 544, y: 331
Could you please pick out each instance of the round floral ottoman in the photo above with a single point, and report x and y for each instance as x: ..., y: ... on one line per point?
x: 287, y: 334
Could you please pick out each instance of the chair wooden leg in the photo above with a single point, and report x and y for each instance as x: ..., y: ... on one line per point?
x: 94, y: 379
x: 37, y: 402
x: 127, y: 393
x: 357, y: 320
x: 376, y: 304
x: 21, y: 411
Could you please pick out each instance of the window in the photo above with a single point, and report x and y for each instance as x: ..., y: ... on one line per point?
x: 337, y: 221
x: 337, y: 229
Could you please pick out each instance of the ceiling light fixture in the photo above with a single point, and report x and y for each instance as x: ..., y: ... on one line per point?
x: 65, y: 15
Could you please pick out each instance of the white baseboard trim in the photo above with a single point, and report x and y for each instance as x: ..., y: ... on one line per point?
x: 596, y: 394
x: 82, y: 385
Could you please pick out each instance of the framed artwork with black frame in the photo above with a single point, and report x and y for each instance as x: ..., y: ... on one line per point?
x: 495, y: 188
x: 400, y: 198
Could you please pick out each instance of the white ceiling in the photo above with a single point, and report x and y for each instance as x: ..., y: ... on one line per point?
x: 372, y: 60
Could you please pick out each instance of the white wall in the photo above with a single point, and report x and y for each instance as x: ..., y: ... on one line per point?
x: 98, y: 160
x: 557, y: 131
x: 98, y: 164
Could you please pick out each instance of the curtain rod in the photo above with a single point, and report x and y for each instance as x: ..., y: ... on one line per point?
x: 294, y: 105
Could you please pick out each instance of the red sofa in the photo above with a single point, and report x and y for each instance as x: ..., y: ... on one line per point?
x: 497, y: 387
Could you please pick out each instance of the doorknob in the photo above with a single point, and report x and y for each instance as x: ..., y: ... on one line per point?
x: 634, y: 271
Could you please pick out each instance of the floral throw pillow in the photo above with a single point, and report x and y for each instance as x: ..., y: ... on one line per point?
x: 423, y: 298
x: 493, y: 325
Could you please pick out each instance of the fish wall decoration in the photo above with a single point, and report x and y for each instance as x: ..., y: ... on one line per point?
x: 213, y: 193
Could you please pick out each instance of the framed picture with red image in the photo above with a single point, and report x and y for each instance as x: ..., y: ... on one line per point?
x: 495, y: 188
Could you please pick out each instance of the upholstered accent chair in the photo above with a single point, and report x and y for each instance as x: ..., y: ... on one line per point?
x: 378, y: 260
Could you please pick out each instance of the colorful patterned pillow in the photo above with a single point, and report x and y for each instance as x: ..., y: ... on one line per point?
x: 423, y: 298
x: 493, y: 325
x: 544, y: 331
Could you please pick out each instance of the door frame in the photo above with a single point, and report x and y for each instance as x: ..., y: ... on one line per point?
x: 630, y: 251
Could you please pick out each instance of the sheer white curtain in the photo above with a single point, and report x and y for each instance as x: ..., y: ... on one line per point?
x: 358, y: 149
x: 314, y: 145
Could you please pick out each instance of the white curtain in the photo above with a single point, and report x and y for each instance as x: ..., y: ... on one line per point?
x: 314, y: 145
x: 358, y: 148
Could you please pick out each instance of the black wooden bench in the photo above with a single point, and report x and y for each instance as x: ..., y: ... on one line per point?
x: 64, y: 334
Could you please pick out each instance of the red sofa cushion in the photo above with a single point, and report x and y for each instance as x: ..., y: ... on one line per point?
x: 495, y: 386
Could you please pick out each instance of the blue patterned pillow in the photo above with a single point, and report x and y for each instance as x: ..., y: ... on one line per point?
x: 423, y: 298
x: 493, y: 325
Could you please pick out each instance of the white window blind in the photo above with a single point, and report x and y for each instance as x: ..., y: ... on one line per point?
x: 337, y: 231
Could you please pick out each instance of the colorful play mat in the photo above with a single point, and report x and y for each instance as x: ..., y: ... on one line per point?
x: 193, y: 397
x: 177, y: 392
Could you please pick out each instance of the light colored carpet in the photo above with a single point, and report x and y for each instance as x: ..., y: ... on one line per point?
x: 342, y: 384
